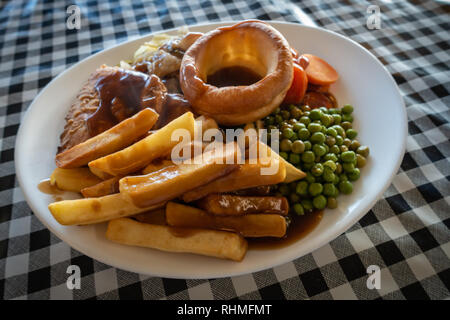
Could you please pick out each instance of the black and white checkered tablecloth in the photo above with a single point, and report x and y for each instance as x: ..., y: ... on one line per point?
x: 406, y: 233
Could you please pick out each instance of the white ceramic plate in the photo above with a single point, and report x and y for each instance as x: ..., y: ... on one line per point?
x: 380, y: 120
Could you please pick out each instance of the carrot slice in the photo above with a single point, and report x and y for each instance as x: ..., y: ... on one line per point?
x: 319, y: 71
x: 298, y: 87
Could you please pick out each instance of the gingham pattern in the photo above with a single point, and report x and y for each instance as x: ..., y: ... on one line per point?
x: 406, y: 233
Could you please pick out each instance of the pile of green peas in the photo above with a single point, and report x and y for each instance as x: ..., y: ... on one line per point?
x: 322, y: 143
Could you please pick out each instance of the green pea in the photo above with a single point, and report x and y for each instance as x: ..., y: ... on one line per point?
x: 284, y: 155
x: 298, y: 146
x: 339, y: 130
x: 337, y: 119
x: 303, y: 134
x: 315, y: 114
x: 324, y: 110
x: 347, y: 117
x: 330, y: 141
x: 327, y: 120
x: 335, y: 149
x: 363, y: 150
x: 278, y: 119
x: 343, y: 148
x: 319, y: 202
x: 332, y: 132
x: 308, y: 156
x: 330, y: 163
x: 346, y: 125
x: 305, y: 108
x: 317, y: 137
x: 329, y: 189
x: 343, y: 177
x: 330, y: 156
x: 294, y: 198
x: 296, y: 112
x: 336, y: 179
x: 292, y: 122
x: 348, y: 156
x: 307, y: 204
x: 308, y: 145
x: 328, y: 175
x: 298, y: 126
x: 354, y: 174
x: 269, y: 120
x: 332, y: 203
x: 310, y: 178
x: 298, y: 209
x: 345, y: 187
x: 307, y: 166
x: 287, y: 133
x: 277, y: 110
x: 294, y: 137
x: 286, y: 145
x: 314, y: 127
x: 285, y: 114
x: 360, y: 161
x: 317, y: 169
x: 355, y: 145
x: 351, y: 133
x: 319, y: 150
x: 347, y: 142
x: 315, y: 189
x: 338, y: 168
x: 339, y: 140
x: 294, y: 158
x: 347, y: 109
x: 348, y: 167
x: 302, y: 188
x: 305, y: 120
x: 284, y: 190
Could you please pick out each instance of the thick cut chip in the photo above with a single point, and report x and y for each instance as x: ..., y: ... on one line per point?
x: 219, y: 244
x: 116, y: 138
x: 140, y: 154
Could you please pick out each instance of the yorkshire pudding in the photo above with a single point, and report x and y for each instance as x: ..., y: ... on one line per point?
x: 247, y: 47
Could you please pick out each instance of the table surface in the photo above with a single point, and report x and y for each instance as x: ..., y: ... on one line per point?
x: 406, y: 233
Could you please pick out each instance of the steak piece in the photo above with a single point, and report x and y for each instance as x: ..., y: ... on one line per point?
x: 110, y: 95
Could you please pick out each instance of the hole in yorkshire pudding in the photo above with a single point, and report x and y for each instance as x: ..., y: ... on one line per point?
x: 233, y: 76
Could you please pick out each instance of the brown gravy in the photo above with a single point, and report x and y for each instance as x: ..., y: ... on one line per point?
x: 122, y: 88
x: 233, y: 76
x: 300, y: 226
x: 46, y: 187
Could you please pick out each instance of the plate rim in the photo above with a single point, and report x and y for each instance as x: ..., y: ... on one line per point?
x: 263, y: 266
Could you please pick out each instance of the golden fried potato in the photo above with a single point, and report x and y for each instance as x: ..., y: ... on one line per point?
x: 249, y: 225
x: 73, y: 179
x: 157, y: 165
x: 140, y: 154
x: 95, y: 210
x: 102, y: 188
x: 234, y: 205
x: 116, y: 138
x: 246, y: 176
x: 171, y: 182
x: 292, y: 173
x: 213, y: 243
